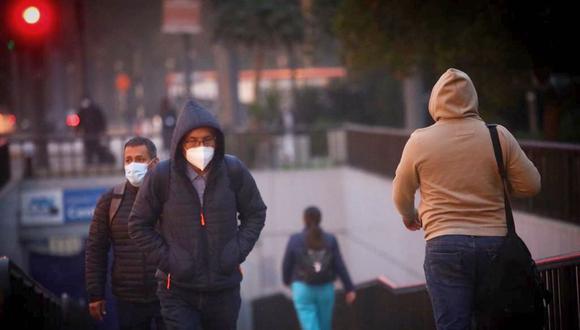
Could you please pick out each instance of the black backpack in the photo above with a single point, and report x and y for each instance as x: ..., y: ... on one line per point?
x: 233, y: 166
x: 316, y: 266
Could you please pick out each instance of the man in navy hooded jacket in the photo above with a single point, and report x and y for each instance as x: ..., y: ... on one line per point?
x: 211, y: 215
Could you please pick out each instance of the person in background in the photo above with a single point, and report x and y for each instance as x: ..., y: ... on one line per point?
x: 92, y: 126
x: 461, y: 211
x: 168, y: 120
x: 133, y: 271
x: 310, y: 266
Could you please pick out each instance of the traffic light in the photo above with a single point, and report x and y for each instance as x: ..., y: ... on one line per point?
x: 31, y: 21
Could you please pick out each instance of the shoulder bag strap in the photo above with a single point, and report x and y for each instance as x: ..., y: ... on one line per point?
x: 502, y: 172
x: 118, y: 192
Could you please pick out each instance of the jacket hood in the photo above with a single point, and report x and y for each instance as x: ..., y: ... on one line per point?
x: 453, y: 96
x: 192, y: 116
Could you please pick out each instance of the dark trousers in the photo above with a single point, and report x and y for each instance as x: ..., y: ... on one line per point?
x: 139, y: 316
x: 186, y: 309
x: 92, y: 148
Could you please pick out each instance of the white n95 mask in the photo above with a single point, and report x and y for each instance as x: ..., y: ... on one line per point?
x: 199, y: 156
x: 135, y: 172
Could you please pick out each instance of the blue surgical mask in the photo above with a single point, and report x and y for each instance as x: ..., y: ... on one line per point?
x: 135, y: 172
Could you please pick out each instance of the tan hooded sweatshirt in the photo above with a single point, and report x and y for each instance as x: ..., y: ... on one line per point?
x: 452, y: 163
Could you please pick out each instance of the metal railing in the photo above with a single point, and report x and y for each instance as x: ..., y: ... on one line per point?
x: 381, y: 304
x: 561, y: 275
x: 66, y: 155
x: 25, y: 304
x: 559, y: 165
x: 378, y: 150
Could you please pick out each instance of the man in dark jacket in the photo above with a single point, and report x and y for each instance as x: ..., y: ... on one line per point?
x: 92, y: 126
x: 199, y: 195
x: 133, y: 273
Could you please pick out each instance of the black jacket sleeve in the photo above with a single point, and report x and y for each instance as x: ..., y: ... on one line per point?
x: 252, y: 214
x: 340, y: 267
x: 288, y: 263
x: 144, y: 216
x: 97, y: 249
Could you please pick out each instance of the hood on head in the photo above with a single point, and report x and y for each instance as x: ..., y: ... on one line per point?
x: 192, y: 116
x: 453, y: 96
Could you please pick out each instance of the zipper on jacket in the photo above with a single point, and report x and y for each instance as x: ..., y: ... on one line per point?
x: 168, y: 284
x: 202, y: 219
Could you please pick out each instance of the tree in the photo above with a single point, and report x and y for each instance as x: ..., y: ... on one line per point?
x: 258, y: 25
x: 501, y: 44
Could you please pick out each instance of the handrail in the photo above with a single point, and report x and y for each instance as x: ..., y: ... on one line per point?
x: 27, y: 304
x: 559, y: 261
x: 17, y: 273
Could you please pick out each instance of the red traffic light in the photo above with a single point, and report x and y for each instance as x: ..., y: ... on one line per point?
x: 31, y: 15
x: 31, y: 19
x: 73, y: 120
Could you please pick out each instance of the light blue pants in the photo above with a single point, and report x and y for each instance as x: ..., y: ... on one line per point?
x: 314, y: 305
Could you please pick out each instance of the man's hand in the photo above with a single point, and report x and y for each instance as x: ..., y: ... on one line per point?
x: 350, y: 297
x: 97, y: 309
x: 412, y: 224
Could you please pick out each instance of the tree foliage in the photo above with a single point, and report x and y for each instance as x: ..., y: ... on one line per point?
x: 263, y: 23
x: 475, y: 36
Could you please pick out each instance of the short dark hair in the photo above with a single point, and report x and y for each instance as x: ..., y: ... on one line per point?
x: 142, y: 141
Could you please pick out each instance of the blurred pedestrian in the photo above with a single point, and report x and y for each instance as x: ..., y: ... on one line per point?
x: 210, y: 216
x: 311, y: 264
x: 133, y: 272
x: 168, y: 120
x: 92, y: 127
x: 453, y: 164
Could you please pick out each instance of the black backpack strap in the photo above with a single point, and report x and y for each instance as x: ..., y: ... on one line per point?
x: 117, y: 198
x: 162, y: 179
x: 502, y: 172
x: 234, y: 168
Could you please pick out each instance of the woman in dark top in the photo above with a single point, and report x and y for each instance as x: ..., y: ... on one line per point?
x: 312, y: 262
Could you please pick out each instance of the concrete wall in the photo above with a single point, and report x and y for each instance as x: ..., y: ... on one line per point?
x: 357, y: 206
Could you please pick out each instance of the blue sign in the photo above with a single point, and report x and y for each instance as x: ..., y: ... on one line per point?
x: 42, y: 207
x: 79, y: 204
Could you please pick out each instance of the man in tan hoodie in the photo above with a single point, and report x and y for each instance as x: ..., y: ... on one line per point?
x: 461, y: 210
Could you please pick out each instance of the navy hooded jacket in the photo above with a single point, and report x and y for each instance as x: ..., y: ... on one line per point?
x: 192, y: 254
x: 297, y: 246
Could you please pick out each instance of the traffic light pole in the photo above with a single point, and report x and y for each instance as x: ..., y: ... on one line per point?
x: 36, y: 57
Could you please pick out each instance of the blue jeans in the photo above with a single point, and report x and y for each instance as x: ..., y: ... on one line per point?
x: 454, y: 264
x: 191, y: 310
x: 314, y: 305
